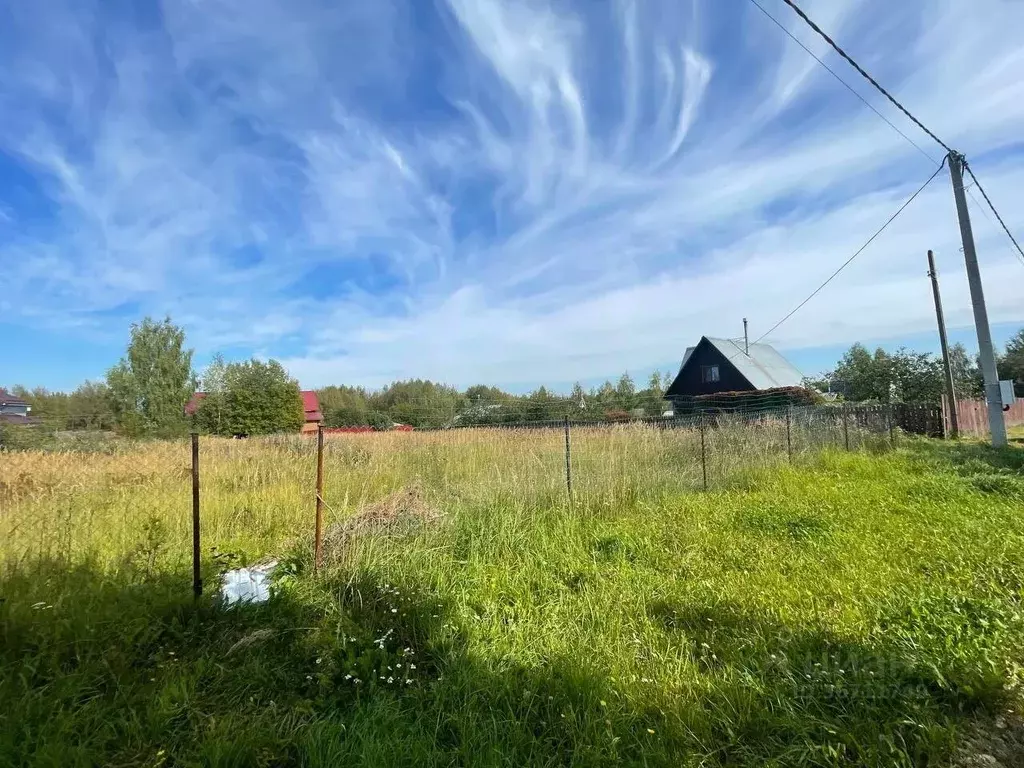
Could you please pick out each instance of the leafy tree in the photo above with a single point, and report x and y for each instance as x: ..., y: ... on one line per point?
x: 652, y: 399
x: 625, y: 393
x: 419, y: 403
x: 89, y: 407
x: 917, y: 376
x: 348, y: 416
x: 967, y: 381
x: 481, y: 393
x: 379, y: 421
x: 542, y: 405
x: 606, y: 397
x: 252, y: 398
x: 1011, y: 363
x: 344, y: 406
x: 213, y: 410
x: 578, y: 407
x: 151, y: 384
x: 50, y: 408
x: 859, y: 376
x: 822, y: 383
x: 903, y: 375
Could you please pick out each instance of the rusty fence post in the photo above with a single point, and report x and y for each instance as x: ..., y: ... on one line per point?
x: 846, y: 428
x: 703, y: 452
x: 197, y: 579
x: 892, y: 430
x: 319, y: 529
x: 568, y: 461
x: 789, y: 436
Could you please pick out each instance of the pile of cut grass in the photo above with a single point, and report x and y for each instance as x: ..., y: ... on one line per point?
x: 852, y: 610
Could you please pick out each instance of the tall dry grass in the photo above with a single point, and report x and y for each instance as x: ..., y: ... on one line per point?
x: 257, y: 495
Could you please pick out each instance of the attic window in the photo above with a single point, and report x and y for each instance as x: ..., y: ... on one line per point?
x: 709, y: 373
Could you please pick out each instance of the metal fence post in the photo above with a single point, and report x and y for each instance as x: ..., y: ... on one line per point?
x: 318, y: 531
x: 703, y: 453
x: 568, y: 461
x: 846, y: 428
x: 197, y: 580
x: 892, y: 431
x: 789, y: 437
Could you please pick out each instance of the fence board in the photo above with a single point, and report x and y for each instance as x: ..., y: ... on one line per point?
x: 973, y: 416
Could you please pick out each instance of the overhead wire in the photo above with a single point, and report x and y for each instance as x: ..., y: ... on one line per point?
x: 888, y: 122
x: 1002, y: 223
x: 857, y: 253
x: 825, y: 36
x: 838, y: 77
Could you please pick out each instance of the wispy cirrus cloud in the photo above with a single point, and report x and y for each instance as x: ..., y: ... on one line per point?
x: 491, y: 191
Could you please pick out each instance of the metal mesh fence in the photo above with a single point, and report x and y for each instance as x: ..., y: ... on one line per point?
x: 257, y: 496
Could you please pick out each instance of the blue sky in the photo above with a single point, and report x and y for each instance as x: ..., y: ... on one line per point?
x: 478, y: 191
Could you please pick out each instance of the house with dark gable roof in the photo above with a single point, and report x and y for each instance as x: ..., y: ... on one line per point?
x: 723, y: 365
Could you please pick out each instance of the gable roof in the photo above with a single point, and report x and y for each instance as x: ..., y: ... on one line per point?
x: 763, y: 367
x: 311, y: 405
x: 6, y: 398
x: 310, y: 402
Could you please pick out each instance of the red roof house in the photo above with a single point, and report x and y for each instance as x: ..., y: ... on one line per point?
x: 310, y: 404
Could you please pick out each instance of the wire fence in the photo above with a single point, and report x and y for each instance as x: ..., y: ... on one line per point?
x: 260, y: 496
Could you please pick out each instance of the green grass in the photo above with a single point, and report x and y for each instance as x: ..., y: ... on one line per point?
x: 854, y: 609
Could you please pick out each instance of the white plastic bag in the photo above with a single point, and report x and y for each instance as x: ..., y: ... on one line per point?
x: 247, y: 585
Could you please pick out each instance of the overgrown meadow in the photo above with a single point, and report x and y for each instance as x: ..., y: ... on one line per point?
x: 854, y: 607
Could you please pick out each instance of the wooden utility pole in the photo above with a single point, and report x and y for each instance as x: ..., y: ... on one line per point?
x: 947, y: 368
x: 993, y: 397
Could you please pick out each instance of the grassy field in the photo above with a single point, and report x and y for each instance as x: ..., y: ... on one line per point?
x: 851, y: 609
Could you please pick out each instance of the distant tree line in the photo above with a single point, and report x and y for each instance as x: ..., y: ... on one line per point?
x: 429, y: 405
x: 145, y: 393
x: 915, y: 377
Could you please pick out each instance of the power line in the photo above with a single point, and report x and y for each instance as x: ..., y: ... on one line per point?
x: 870, y: 79
x: 836, y: 75
x: 864, y: 74
x: 860, y: 250
x: 1006, y: 229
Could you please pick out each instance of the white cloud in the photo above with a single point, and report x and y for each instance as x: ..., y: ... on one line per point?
x: 517, y: 191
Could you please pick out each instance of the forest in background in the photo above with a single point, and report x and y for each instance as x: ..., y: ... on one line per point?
x: 144, y: 393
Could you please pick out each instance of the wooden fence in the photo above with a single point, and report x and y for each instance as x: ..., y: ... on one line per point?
x: 973, y: 416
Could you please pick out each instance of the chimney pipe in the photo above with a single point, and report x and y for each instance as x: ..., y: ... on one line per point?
x: 746, y: 339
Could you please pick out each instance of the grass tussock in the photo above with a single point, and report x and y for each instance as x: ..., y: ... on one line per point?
x: 849, y: 609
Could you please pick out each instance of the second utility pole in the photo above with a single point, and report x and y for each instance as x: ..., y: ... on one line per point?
x: 993, y: 397
x: 954, y: 421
